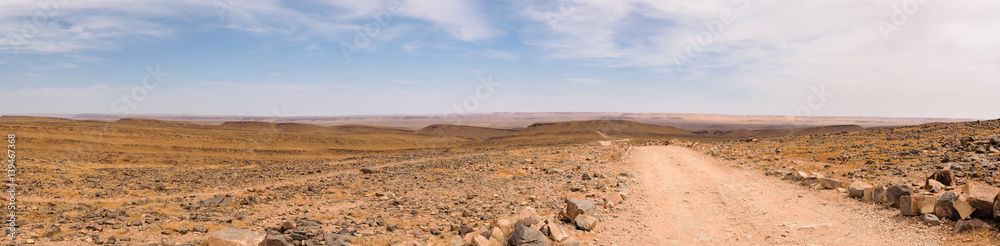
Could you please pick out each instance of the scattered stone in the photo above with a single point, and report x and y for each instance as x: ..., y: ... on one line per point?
x: 930, y: 219
x: 234, y: 237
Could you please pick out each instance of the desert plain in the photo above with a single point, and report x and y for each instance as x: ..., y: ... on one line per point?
x: 504, y: 179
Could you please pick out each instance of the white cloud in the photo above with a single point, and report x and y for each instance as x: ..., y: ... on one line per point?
x: 459, y: 18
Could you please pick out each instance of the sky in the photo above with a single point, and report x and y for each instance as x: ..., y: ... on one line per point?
x: 881, y: 58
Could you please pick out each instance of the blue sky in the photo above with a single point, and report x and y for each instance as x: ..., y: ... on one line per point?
x: 286, y: 58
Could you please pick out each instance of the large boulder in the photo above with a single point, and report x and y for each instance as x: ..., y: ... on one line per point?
x: 234, y: 237
x: 893, y: 193
x: 857, y: 189
x: 576, y: 207
x: 525, y: 236
x: 980, y: 198
x: 946, y: 177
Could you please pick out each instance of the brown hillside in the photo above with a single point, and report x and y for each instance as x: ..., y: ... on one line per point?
x: 603, y: 126
x: 468, y: 132
x: 249, y: 126
x: 766, y: 133
x: 160, y: 123
x: 300, y: 128
x: 32, y: 119
x: 366, y: 129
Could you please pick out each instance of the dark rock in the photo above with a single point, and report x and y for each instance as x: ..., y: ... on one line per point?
x: 944, y: 207
x: 893, y: 193
x: 946, y: 177
x: 930, y: 219
x: 972, y: 224
x: 368, y: 170
x: 526, y: 236
x: 276, y: 240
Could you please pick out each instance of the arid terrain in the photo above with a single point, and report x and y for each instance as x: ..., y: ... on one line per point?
x: 580, y: 181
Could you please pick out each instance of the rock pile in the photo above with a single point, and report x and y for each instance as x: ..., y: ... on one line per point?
x: 971, y: 206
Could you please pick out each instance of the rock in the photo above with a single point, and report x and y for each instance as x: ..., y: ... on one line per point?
x: 182, y: 230
x: 497, y: 237
x: 893, y: 193
x: 480, y: 240
x: 576, y: 207
x: 556, y: 232
x: 946, y: 177
x: 234, y: 237
x: 878, y: 195
x: 525, y: 236
x: 963, y: 207
x: 585, y: 222
x: 368, y: 170
x: 980, y: 198
x: 966, y: 225
x: 933, y: 186
x: 800, y: 175
x: 200, y: 228
x: 505, y: 225
x: 287, y: 225
x: 585, y: 176
x: 944, y: 207
x: 908, y: 206
x: 930, y: 220
x: 276, y: 240
x: 528, y: 217
x: 829, y: 183
x: 857, y: 189
x: 213, y: 202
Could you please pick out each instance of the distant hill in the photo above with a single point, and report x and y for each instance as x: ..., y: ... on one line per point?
x: 603, y: 126
x: 365, y: 129
x: 765, y: 133
x: 160, y: 123
x: 467, y: 132
x: 32, y: 119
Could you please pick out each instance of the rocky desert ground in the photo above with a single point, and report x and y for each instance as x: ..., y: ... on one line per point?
x: 592, y: 182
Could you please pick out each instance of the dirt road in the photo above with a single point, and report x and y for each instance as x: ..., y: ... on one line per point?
x: 684, y: 197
